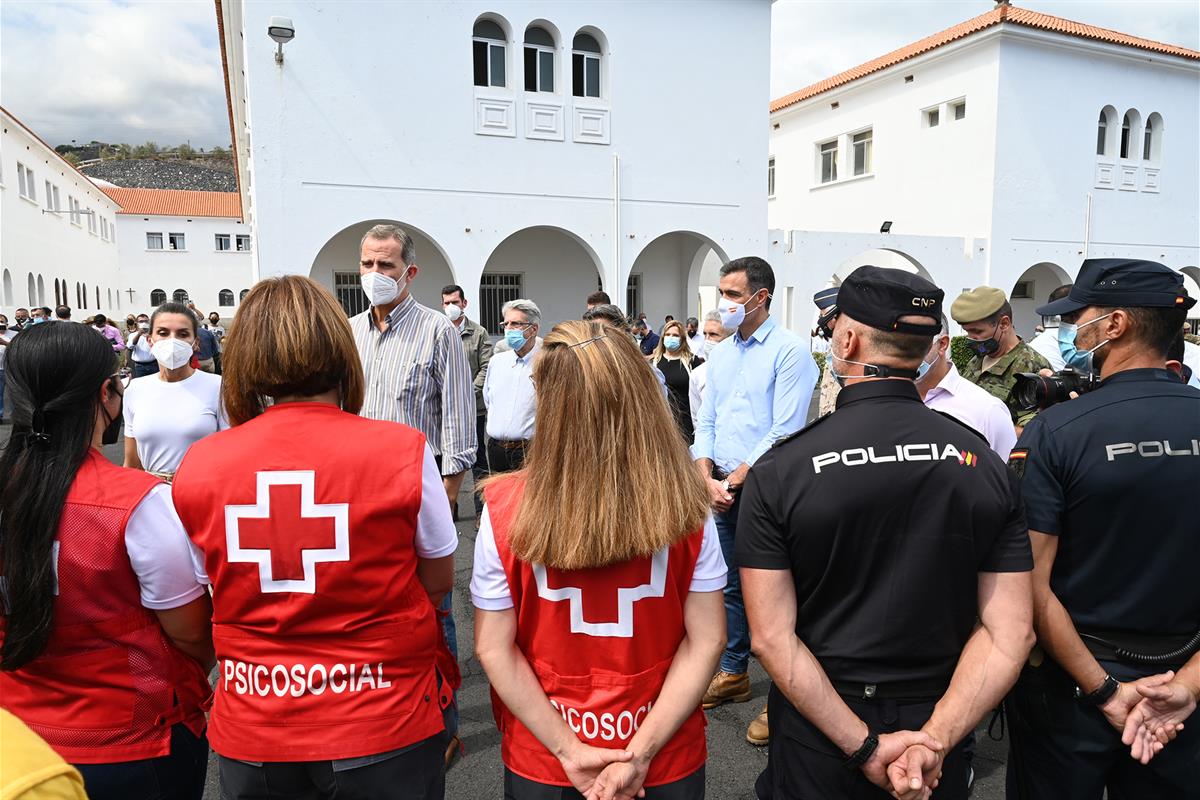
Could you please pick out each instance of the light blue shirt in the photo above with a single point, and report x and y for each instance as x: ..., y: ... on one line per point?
x: 757, y: 392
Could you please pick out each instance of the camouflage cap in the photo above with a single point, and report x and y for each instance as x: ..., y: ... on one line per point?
x: 979, y: 303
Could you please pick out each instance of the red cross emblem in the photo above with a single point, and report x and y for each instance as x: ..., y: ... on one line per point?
x: 626, y: 598
x: 314, y: 533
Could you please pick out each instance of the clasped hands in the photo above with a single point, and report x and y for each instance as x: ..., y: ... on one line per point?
x: 1149, y: 713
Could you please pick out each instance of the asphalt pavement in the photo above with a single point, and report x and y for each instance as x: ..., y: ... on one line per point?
x: 733, y: 763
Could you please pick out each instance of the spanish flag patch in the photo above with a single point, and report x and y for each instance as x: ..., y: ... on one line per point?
x: 1016, y: 462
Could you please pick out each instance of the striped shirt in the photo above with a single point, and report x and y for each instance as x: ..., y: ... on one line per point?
x: 416, y: 373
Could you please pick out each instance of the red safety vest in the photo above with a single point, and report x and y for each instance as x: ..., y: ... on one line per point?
x: 600, y: 642
x: 110, y: 684
x: 329, y: 646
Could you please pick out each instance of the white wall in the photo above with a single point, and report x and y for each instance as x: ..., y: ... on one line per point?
x: 557, y: 273
x: 338, y: 139
x: 927, y: 181
x: 199, y: 269
x: 48, y: 246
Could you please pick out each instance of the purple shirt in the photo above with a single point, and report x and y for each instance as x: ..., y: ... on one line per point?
x: 114, y: 336
x: 966, y: 402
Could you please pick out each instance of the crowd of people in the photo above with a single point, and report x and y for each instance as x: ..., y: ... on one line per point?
x: 651, y: 512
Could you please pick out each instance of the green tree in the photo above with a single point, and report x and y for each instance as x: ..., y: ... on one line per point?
x: 185, y: 150
x: 218, y: 152
x: 71, y: 158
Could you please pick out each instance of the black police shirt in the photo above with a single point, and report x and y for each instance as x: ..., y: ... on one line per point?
x: 885, y: 512
x: 1114, y: 474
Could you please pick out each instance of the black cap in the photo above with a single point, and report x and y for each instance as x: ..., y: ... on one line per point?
x: 878, y: 297
x: 1129, y: 282
x: 825, y: 298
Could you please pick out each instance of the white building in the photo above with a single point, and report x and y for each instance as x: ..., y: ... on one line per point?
x: 1002, y: 151
x: 57, y: 235
x: 182, y: 245
x: 533, y: 149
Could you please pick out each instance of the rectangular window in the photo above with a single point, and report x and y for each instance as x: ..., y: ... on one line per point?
x: 496, y: 289
x: 243, y: 243
x: 932, y: 117
x: 222, y: 242
x: 103, y: 229
x: 175, y: 241
x: 488, y: 57
x: 862, y: 146
x: 73, y: 207
x: 91, y: 215
x: 57, y: 200
x: 1022, y: 290
x: 1101, y: 135
x: 1147, y: 138
x: 585, y: 75
x: 49, y: 196
x: 154, y: 241
x: 633, y: 296
x: 348, y: 290
x: 25, y: 182
x: 1125, y: 140
x: 539, y: 69
x: 829, y: 161
x: 771, y: 176
x: 960, y: 109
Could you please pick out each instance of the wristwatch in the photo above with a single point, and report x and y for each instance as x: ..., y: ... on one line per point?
x: 863, y: 754
x: 1101, y: 695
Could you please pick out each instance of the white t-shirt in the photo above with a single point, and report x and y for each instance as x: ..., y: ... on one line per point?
x: 160, y: 552
x: 489, y: 584
x: 436, y: 536
x: 8, y: 337
x: 141, y: 349
x: 168, y: 418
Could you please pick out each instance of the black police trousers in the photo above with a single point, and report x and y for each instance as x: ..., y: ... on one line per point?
x: 518, y: 788
x: 418, y: 773
x: 802, y: 764
x: 1060, y: 750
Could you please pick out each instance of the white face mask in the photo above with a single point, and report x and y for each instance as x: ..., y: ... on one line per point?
x: 453, y: 312
x: 379, y: 289
x: 171, y: 353
x: 733, y: 314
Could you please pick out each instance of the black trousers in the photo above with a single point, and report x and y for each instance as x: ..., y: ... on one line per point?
x: 518, y: 788
x: 416, y: 774
x: 802, y: 764
x: 1061, y: 750
x: 502, y: 459
x: 480, y: 469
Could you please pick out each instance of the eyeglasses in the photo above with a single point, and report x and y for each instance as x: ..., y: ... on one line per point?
x: 515, y: 326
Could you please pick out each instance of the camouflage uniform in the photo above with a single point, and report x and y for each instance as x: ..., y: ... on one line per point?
x: 1191, y: 337
x: 999, y: 379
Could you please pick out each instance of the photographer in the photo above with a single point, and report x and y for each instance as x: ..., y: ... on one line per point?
x: 1105, y: 479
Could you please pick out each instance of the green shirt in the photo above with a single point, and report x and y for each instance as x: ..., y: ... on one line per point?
x: 998, y: 379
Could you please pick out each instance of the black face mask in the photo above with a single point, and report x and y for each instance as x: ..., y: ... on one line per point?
x: 113, y: 430
x: 985, y: 347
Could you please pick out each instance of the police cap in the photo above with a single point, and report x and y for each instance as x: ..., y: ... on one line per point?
x: 825, y: 298
x: 1129, y: 282
x: 879, y: 297
x: 979, y: 303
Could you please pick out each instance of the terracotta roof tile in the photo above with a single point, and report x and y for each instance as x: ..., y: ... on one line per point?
x: 176, y: 202
x: 998, y: 15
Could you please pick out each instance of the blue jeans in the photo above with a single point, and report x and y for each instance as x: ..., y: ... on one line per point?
x: 736, y: 658
x: 451, y: 714
x: 141, y: 370
x: 178, y: 776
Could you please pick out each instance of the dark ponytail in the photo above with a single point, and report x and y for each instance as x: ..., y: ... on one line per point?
x: 54, y: 375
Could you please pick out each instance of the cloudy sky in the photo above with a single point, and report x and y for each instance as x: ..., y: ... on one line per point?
x: 123, y: 71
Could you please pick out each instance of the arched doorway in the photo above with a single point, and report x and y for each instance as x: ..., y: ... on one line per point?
x: 1031, y: 290
x: 550, y: 266
x: 336, y: 266
x: 887, y: 258
x: 1191, y: 282
x: 668, y: 275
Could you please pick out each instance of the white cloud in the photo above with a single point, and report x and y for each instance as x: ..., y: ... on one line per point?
x: 114, y: 71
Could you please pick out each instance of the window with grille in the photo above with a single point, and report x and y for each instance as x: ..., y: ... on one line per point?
x: 225, y: 297
x: 180, y: 295
x: 633, y: 296
x: 348, y: 290
x: 158, y: 297
x: 496, y: 289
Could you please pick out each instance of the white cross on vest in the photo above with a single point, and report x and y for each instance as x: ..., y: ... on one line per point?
x: 292, y: 530
x: 626, y: 597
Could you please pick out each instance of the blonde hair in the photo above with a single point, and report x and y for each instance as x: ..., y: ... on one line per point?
x: 684, y: 353
x: 289, y: 338
x: 607, y: 478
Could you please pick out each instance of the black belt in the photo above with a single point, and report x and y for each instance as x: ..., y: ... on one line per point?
x: 915, y: 689
x: 505, y: 444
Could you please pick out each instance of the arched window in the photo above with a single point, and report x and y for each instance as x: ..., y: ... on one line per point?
x: 242, y: 295
x: 1129, y: 126
x: 179, y: 295
x: 157, y: 297
x: 9, y: 300
x: 31, y: 289
x: 78, y: 296
x: 487, y: 46
x: 539, y: 59
x: 225, y: 298
x: 1102, y: 133
x: 97, y: 297
x: 1152, y: 138
x: 41, y: 287
x: 110, y: 304
x: 585, y: 66
x: 83, y: 297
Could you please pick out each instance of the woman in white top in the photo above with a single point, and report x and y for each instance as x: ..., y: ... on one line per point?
x: 165, y: 413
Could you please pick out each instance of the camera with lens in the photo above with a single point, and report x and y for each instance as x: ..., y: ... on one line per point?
x: 1032, y: 390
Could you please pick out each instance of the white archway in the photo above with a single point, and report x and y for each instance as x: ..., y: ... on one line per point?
x: 1031, y: 290
x: 551, y: 266
x: 1191, y: 282
x: 667, y: 276
x: 336, y: 266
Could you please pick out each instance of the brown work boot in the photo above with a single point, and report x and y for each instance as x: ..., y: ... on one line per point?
x: 759, y: 733
x: 453, y: 749
x: 727, y: 687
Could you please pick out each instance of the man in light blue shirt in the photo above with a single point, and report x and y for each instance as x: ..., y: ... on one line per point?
x: 759, y: 384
